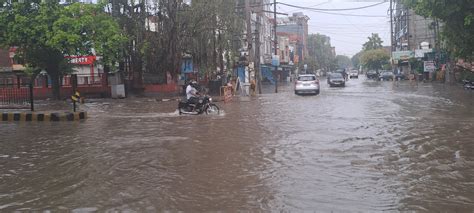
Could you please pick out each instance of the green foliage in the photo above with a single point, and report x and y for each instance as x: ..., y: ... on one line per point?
x: 374, y: 42
x: 416, y: 65
x: 375, y: 59
x: 343, y: 61
x: 82, y: 28
x: 356, y: 59
x: 44, y: 32
x: 387, y: 66
x: 458, y: 22
x: 320, y: 52
x: 211, y: 27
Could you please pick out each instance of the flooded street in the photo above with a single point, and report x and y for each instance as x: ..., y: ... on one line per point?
x: 371, y: 146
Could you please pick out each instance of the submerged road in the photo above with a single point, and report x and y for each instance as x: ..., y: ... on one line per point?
x: 370, y: 146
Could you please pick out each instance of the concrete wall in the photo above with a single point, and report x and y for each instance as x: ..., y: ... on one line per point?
x: 419, y: 31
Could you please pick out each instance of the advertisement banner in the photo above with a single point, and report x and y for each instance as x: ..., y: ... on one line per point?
x: 429, y: 66
x: 403, y: 55
x: 82, y: 60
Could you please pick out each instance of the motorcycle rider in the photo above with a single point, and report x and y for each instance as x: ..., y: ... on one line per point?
x: 192, y: 94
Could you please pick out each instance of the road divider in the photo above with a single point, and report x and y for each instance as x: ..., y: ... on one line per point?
x: 47, y: 116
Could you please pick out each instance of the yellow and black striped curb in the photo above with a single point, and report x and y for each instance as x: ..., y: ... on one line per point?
x: 49, y: 116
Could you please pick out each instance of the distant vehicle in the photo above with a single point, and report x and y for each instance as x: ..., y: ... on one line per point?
x: 343, y: 72
x: 400, y: 76
x: 372, y: 74
x: 354, y: 74
x: 387, y: 76
x: 307, y: 84
x: 336, y: 79
x: 468, y: 84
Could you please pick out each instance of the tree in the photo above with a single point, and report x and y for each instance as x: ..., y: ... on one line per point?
x: 458, y: 18
x: 374, y: 42
x: 44, y: 32
x: 205, y: 30
x: 356, y: 59
x: 319, y: 49
x: 375, y: 59
x: 343, y: 61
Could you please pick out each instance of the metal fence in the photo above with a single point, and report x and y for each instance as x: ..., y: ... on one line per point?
x: 16, y: 97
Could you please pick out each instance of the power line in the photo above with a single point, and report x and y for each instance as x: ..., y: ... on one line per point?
x: 314, y: 5
x: 346, y: 14
x: 341, y: 24
x: 319, y: 9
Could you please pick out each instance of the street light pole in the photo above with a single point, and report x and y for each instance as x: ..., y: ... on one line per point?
x: 275, y: 43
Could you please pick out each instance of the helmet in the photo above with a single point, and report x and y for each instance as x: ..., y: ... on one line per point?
x: 193, y: 83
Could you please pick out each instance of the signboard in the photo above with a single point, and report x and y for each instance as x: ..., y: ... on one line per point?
x: 6, y: 69
x: 403, y: 55
x: 429, y: 66
x: 276, y: 60
x: 421, y: 52
x: 82, y: 60
x: 187, y: 66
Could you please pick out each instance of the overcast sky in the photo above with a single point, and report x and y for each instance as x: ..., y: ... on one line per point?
x: 347, y: 33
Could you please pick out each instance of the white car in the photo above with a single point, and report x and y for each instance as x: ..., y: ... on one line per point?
x: 354, y: 74
x: 307, y: 84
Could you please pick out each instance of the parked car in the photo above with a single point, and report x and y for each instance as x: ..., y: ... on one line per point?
x: 307, y: 84
x: 400, y: 76
x: 336, y: 79
x: 354, y: 74
x: 372, y: 74
x: 387, y: 76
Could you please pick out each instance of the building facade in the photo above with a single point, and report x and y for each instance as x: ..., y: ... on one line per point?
x: 296, y: 28
x: 410, y: 29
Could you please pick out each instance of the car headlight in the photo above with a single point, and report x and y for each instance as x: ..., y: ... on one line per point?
x: 210, y: 99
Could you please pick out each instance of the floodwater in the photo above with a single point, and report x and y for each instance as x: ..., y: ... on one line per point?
x: 371, y: 146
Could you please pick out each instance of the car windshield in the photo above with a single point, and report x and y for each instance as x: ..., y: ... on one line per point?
x: 335, y: 75
x: 306, y: 78
x: 387, y: 73
x: 371, y: 71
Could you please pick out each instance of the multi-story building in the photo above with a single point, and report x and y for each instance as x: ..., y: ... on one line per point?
x: 410, y: 29
x: 296, y: 28
x: 413, y: 37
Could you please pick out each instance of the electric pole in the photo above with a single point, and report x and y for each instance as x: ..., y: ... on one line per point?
x: 275, y: 43
x: 257, y: 53
x: 391, y: 26
x: 391, y: 33
x: 248, y: 17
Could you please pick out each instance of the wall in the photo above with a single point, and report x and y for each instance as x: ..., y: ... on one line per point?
x: 419, y: 31
x: 66, y: 92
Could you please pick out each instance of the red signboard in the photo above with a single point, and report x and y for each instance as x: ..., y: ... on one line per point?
x: 82, y: 60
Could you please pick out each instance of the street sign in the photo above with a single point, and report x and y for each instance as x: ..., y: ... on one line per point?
x: 429, y: 66
x: 76, y: 96
x: 421, y: 52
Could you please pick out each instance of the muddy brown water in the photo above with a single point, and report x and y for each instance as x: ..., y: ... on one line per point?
x: 371, y: 146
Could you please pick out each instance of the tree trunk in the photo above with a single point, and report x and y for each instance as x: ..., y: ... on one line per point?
x: 55, y: 84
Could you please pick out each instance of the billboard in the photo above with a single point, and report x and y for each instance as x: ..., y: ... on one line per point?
x: 403, y: 55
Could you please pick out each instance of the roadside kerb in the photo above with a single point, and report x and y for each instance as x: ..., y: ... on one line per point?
x: 39, y: 116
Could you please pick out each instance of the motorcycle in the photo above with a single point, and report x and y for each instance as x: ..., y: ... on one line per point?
x: 204, y: 105
x: 468, y: 84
